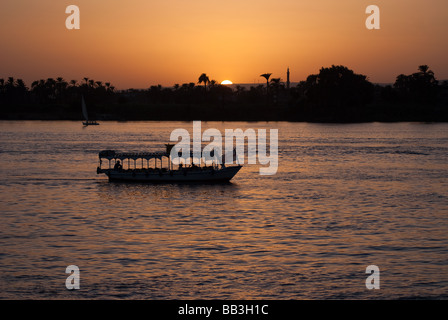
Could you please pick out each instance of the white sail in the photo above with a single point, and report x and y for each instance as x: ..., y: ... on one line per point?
x: 84, y: 109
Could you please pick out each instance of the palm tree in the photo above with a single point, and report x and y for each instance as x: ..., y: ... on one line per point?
x: 427, y: 75
x: 61, y: 83
x: 424, y: 84
x: 36, y: 88
x: 73, y: 83
x: 212, y: 83
x: 50, y: 85
x: 50, y: 82
x: 276, y: 83
x: 204, y: 79
x: 61, y: 86
x: 86, y: 80
x: 10, y: 83
x: 266, y: 76
x: 20, y: 84
x: 424, y: 69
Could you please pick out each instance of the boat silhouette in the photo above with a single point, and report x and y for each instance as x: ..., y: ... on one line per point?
x: 160, y: 173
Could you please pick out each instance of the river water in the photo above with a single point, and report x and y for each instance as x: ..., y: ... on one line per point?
x: 345, y: 197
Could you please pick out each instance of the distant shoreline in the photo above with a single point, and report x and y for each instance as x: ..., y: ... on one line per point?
x: 335, y: 95
x: 190, y: 119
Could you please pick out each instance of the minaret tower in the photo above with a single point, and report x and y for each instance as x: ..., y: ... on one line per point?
x: 287, y: 80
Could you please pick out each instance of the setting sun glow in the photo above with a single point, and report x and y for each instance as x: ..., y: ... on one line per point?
x: 227, y: 82
x: 142, y: 43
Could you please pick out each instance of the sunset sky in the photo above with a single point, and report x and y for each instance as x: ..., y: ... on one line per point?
x: 138, y: 43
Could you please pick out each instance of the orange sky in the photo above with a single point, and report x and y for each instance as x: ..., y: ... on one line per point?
x: 138, y: 43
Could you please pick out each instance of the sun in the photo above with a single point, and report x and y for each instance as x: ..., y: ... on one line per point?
x: 226, y: 82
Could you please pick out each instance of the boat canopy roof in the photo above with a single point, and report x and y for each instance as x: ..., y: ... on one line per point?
x: 110, y: 154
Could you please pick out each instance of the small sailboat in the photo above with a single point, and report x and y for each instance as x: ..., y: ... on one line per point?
x: 87, y: 122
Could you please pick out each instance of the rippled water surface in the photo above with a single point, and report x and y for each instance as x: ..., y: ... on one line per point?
x: 345, y: 197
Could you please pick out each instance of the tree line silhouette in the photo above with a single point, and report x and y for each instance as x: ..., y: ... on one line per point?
x: 335, y: 94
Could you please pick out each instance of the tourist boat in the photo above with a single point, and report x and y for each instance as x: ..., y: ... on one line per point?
x: 87, y: 122
x: 162, y: 171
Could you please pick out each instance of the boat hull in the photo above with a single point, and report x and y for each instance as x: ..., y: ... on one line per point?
x: 219, y: 175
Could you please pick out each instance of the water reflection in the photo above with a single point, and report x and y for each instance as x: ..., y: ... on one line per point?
x: 113, y: 191
x: 345, y: 196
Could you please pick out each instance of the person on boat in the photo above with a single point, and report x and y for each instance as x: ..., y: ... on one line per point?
x: 118, y: 166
